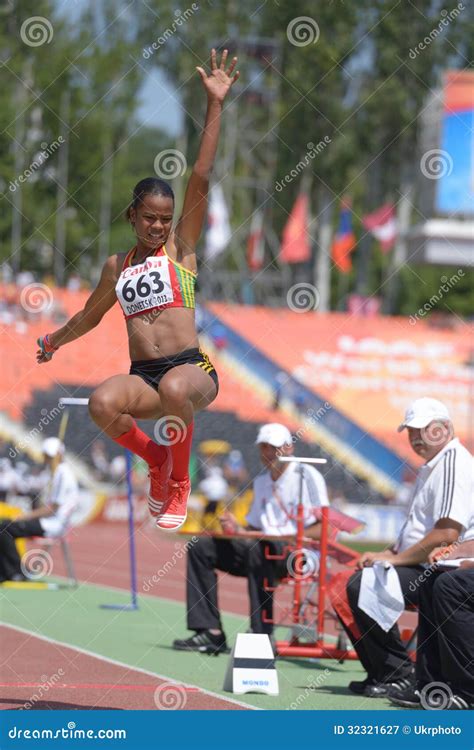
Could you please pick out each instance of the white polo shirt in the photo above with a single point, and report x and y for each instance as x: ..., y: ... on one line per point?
x: 64, y: 494
x: 444, y: 489
x: 275, y: 504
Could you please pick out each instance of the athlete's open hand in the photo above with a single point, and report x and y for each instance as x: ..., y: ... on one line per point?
x: 219, y: 81
x: 45, y: 351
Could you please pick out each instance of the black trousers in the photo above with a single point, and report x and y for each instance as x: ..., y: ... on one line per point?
x: 238, y: 557
x: 10, y: 563
x: 445, y: 651
x: 383, y: 654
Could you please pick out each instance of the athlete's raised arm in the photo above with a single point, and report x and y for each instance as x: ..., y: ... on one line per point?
x: 217, y: 85
x: 102, y: 299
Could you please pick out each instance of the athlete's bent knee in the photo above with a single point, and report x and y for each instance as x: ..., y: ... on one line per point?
x: 173, y: 392
x: 102, y: 406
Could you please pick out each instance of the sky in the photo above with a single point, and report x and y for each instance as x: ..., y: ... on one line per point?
x: 159, y: 105
x: 157, y: 97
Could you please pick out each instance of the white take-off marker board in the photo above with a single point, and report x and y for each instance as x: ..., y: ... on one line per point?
x: 251, y: 666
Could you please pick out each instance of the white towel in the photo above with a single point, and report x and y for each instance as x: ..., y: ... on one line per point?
x: 380, y: 594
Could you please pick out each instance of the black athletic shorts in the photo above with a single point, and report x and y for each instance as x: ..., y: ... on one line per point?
x: 152, y: 370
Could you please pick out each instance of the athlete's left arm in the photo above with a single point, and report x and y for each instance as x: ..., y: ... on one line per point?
x: 217, y: 85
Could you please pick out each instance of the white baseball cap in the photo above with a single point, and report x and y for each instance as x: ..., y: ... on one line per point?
x: 52, y: 447
x: 423, y: 411
x: 274, y: 434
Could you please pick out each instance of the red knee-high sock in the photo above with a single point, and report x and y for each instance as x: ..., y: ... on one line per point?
x: 181, y: 453
x: 137, y: 442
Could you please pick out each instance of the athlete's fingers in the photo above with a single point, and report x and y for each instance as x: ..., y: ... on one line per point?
x: 202, y: 73
x: 223, y: 59
x: 213, y: 59
x: 232, y: 66
x: 235, y: 78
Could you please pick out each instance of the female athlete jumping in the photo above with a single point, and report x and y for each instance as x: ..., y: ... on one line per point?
x: 154, y: 284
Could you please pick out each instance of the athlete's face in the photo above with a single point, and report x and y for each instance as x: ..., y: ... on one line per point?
x: 152, y: 220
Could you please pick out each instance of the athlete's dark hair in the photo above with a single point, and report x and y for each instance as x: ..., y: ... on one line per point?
x: 149, y: 186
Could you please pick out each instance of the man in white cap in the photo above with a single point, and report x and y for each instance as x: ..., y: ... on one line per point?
x: 441, y: 510
x: 51, y: 519
x: 273, y: 512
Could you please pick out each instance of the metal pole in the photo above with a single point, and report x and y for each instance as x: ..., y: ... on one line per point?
x: 131, y: 531
x: 298, y: 552
x: 106, y: 201
x: 62, y: 194
x: 322, y: 264
x: 322, y: 573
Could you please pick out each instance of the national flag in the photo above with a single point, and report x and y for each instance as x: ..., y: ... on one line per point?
x: 382, y: 223
x: 344, y: 240
x: 218, y: 232
x: 256, y: 242
x: 295, y: 245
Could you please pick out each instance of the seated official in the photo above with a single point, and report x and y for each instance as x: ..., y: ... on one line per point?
x: 50, y: 520
x: 445, y: 640
x: 441, y: 510
x: 273, y: 512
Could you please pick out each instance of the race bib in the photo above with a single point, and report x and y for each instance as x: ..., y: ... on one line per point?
x: 145, y: 287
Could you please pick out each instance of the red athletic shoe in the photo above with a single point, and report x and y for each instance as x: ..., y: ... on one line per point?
x: 159, y: 478
x: 174, y: 511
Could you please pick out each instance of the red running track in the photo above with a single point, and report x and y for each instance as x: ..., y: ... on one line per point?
x: 77, y: 680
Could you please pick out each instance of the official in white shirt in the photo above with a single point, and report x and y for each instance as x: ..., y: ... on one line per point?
x: 273, y: 512
x: 441, y: 510
x: 51, y: 519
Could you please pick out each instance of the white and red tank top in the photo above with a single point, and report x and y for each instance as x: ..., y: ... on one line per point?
x: 158, y: 282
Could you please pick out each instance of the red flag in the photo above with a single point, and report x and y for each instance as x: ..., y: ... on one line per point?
x: 255, y: 243
x: 295, y: 245
x: 382, y: 223
x: 344, y: 240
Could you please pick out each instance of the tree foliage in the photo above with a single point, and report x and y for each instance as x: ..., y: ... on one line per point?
x: 358, y: 83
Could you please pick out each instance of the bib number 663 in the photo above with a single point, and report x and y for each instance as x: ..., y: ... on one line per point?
x: 133, y: 288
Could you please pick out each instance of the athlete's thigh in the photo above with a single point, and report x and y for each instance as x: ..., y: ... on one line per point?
x: 198, y: 385
x: 129, y: 394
